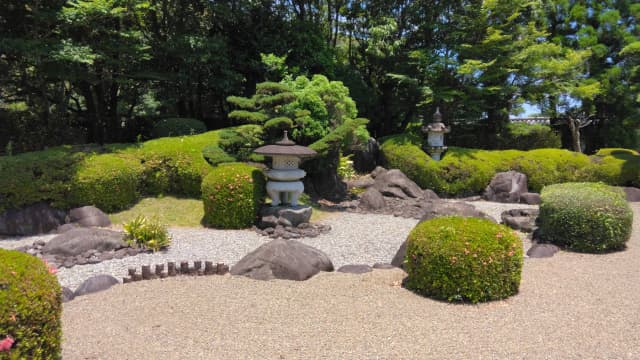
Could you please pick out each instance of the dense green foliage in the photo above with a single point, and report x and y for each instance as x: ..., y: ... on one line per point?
x: 93, y: 71
x: 518, y: 136
x: 178, y: 127
x: 30, y: 307
x: 468, y: 171
x: 146, y: 233
x: 215, y: 155
x: 585, y: 217
x: 232, y: 195
x: 463, y: 259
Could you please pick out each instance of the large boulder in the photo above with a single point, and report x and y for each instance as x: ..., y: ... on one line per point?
x: 283, y: 259
x: 95, y: 284
x: 34, y: 219
x: 89, y: 216
x: 506, y: 187
x: 395, y: 183
x: 439, y: 208
x: 366, y: 159
x: 79, y: 240
x: 372, y: 199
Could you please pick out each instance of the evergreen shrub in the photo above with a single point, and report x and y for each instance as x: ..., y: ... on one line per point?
x: 214, y: 155
x: 30, y: 307
x: 232, y: 195
x: 585, y: 217
x: 463, y: 260
x: 178, y: 127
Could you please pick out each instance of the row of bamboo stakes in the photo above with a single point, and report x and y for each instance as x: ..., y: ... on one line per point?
x: 209, y: 269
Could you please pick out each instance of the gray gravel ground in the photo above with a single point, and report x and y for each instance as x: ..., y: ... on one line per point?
x: 570, y: 306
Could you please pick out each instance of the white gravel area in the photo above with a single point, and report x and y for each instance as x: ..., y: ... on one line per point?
x: 353, y: 239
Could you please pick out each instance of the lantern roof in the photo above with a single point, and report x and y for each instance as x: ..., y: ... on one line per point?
x: 285, y: 147
x: 436, y: 125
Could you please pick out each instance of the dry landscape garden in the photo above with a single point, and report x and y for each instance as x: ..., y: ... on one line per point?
x: 319, y: 179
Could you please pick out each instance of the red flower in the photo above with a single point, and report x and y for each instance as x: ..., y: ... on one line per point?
x: 6, y: 344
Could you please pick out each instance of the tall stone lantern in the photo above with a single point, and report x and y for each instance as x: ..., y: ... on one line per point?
x: 435, y: 136
x: 285, y: 178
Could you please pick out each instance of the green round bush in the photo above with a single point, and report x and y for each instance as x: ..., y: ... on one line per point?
x: 107, y: 181
x: 178, y: 127
x: 463, y: 259
x: 214, y: 155
x: 232, y: 195
x: 30, y: 307
x: 585, y: 217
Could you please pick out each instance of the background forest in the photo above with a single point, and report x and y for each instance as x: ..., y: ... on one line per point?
x: 104, y: 71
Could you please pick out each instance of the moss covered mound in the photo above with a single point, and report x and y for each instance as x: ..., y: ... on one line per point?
x: 585, y: 217
x: 465, y: 171
x: 30, y: 307
x: 463, y: 259
x: 232, y: 195
x: 178, y: 127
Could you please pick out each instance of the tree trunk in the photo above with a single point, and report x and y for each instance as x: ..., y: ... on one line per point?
x: 574, y: 128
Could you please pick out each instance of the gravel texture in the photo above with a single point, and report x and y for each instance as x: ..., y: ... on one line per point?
x: 570, y: 306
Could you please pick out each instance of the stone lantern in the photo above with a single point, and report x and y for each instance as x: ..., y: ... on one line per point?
x: 435, y: 136
x: 285, y: 178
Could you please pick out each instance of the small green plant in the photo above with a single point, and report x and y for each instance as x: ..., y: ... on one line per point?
x: 345, y: 167
x: 9, y: 148
x: 146, y: 233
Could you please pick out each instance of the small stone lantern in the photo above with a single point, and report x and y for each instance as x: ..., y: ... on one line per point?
x: 435, y: 136
x: 285, y: 178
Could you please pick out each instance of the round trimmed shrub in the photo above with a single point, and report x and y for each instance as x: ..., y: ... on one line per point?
x: 463, y: 259
x: 232, y: 195
x: 178, y: 127
x: 107, y: 181
x: 30, y: 307
x: 214, y: 155
x: 585, y: 217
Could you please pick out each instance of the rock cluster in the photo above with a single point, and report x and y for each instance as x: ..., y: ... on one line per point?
x: 82, y: 246
x: 289, y: 232
x: 520, y: 219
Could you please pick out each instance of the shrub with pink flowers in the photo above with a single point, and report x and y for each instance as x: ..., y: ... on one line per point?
x: 463, y: 260
x: 232, y: 195
x: 30, y: 308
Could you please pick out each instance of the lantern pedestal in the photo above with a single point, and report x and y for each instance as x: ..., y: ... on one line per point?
x: 284, y: 192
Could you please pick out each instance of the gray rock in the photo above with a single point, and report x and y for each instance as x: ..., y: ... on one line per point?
x: 365, y: 159
x: 542, y: 250
x: 95, y: 284
x: 361, y: 183
x: 438, y: 208
x: 355, y: 269
x: 530, y: 198
x: 67, y: 294
x: 506, y: 187
x: 372, y: 199
x: 284, y: 222
x: 398, y: 258
x: 429, y: 194
x: 393, y: 192
x: 632, y: 194
x: 65, y: 227
x: 77, y: 241
x: 283, y: 259
x: 384, y: 266
x: 294, y: 214
x: 89, y: 216
x: 520, y: 219
x: 379, y: 170
x: 395, y: 178
x: 34, y: 219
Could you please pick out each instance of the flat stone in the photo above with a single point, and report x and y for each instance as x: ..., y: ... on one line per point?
x: 542, y: 250
x: 438, y: 208
x: 65, y: 227
x: 383, y: 266
x: 294, y: 214
x: 95, y: 284
x: 355, y: 269
x: 77, y: 241
x: 67, y: 294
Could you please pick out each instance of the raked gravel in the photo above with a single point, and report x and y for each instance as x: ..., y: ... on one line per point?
x: 353, y: 239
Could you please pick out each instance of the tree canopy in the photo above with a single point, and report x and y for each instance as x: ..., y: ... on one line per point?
x: 75, y: 71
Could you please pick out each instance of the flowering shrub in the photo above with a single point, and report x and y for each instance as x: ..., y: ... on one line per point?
x: 30, y: 307
x: 232, y: 195
x: 149, y: 234
x: 463, y: 259
x: 585, y: 217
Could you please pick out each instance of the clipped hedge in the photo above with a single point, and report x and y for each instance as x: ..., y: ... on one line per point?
x: 178, y: 127
x: 107, y: 181
x: 232, y: 195
x: 585, y: 217
x: 215, y: 155
x: 521, y: 136
x: 463, y: 259
x: 463, y: 171
x: 30, y: 307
